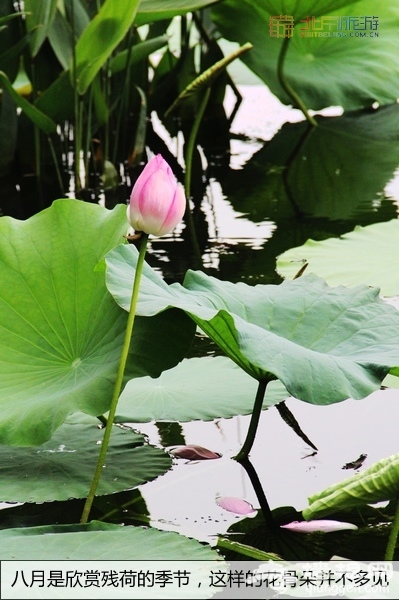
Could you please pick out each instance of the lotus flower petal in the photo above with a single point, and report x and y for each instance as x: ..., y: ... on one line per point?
x: 194, y: 452
x: 157, y: 202
x: 318, y: 525
x: 236, y: 505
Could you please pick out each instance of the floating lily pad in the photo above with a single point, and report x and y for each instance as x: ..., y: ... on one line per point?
x: 99, y: 541
x: 63, y: 467
x: 198, y: 388
x: 368, y: 255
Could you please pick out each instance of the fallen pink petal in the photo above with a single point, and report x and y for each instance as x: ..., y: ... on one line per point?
x: 236, y: 505
x: 194, y: 452
x: 326, y: 526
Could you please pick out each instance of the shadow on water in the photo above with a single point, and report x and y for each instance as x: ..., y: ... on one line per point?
x: 304, y: 183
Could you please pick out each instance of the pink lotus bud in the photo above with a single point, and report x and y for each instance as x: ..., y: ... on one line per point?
x: 157, y: 201
x: 318, y: 525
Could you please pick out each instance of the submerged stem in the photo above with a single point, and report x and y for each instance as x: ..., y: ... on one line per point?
x: 393, y: 536
x: 118, y: 382
x: 253, y: 425
x: 56, y: 165
x: 187, y: 178
x: 192, y: 139
x: 287, y: 87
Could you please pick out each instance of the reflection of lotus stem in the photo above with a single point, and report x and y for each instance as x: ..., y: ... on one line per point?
x: 286, y: 86
x: 253, y: 425
x: 260, y: 494
x: 286, y: 172
x: 393, y: 536
x: 118, y: 383
x: 187, y: 177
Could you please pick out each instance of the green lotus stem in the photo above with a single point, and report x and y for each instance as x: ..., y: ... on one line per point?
x: 192, y: 139
x: 118, y: 383
x: 56, y: 165
x: 102, y: 419
x: 253, y: 425
x: 287, y: 87
x: 88, y: 141
x: 36, y: 137
x: 78, y: 142
x: 124, y: 103
x: 77, y: 111
x: 187, y: 176
x: 393, y: 536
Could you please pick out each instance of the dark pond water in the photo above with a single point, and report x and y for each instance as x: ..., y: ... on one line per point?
x: 290, y: 471
x: 274, y: 184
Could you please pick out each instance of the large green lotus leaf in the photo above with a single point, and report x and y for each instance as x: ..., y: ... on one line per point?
x: 61, y: 332
x: 336, y: 170
x: 63, y: 467
x: 299, y: 10
x: 100, y: 541
x: 153, y: 10
x: 346, y: 71
x: 324, y: 344
x: 378, y: 483
x: 198, y: 388
x: 368, y: 255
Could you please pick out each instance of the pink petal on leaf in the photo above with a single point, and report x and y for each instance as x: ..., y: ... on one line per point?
x: 236, y: 505
x: 318, y: 525
x: 194, y: 452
